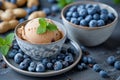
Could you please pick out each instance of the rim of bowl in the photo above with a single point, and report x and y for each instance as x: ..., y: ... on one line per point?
x: 64, y: 33
x: 86, y: 27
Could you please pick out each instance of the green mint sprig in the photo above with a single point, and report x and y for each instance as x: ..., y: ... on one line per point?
x: 117, y: 1
x: 44, y: 26
x: 5, y: 43
x: 62, y: 3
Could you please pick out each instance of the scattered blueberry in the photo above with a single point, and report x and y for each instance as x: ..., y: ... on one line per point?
x: 58, y: 65
x: 40, y: 67
x: 96, y: 67
x: 18, y: 58
x: 84, y: 65
x: 93, y: 23
x: 103, y: 74
x: 85, y: 59
x: 47, y: 11
x: 79, y: 67
x: 100, y: 23
x: 111, y: 60
x: 117, y: 65
x: 55, y: 8
x: 91, y: 60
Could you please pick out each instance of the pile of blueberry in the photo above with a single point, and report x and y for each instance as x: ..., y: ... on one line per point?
x: 62, y: 60
x: 89, y: 15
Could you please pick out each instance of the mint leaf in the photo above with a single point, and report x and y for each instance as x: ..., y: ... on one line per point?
x: 51, y: 27
x: 41, y: 29
x: 4, y: 49
x: 2, y: 41
x: 43, y: 22
x: 9, y: 39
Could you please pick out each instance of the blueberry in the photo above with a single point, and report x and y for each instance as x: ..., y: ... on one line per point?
x: 96, y: 67
x: 58, y: 65
x: 21, y: 20
x: 53, y: 60
x: 25, y: 56
x: 51, y: 1
x: 20, y: 51
x: 68, y: 18
x: 80, y: 7
x: 28, y: 10
x: 61, y: 56
x: 97, y: 7
x: 88, y: 18
x: 74, y: 20
x: 104, y: 17
x: 69, y: 58
x: 31, y: 68
x: 65, y: 63
x: 75, y: 14
x: 23, y: 66
x: 73, y: 8
x: 100, y: 23
x: 111, y: 16
x: 96, y: 16
x: 47, y: 11
x: 91, y: 11
x: 104, y: 11
x: 83, y: 12
x: 103, y: 74
x: 70, y: 50
x: 33, y: 64
x: 111, y: 60
x: 34, y: 8
x: 89, y: 6
x: 84, y: 65
x: 117, y: 65
x: 49, y: 65
x: 93, y: 23
x: 12, y: 53
x: 79, y: 18
x: 13, y: 1
x: 79, y: 67
x: 91, y: 60
x: 1, y: 3
x: 55, y: 8
x: 40, y: 67
x: 15, y: 47
x: 18, y: 58
x: 83, y: 22
x: 63, y: 50
x: 69, y: 14
x: 45, y: 61
x: 27, y: 61
x: 85, y: 59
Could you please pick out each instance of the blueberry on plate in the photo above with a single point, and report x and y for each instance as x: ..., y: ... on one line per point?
x: 117, y: 65
x: 79, y: 67
x: 25, y: 56
x: 100, y: 23
x: 75, y: 14
x: 83, y: 22
x: 69, y: 58
x: 111, y: 60
x: 23, y: 66
x: 96, y: 16
x: 91, y: 60
x: 103, y: 74
x: 70, y: 50
x: 47, y: 11
x: 45, y: 61
x: 111, y: 16
x: 18, y: 58
x: 33, y: 64
x: 96, y: 68
x: 84, y: 65
x: 40, y: 67
x: 74, y: 20
x: 88, y: 18
x: 12, y: 53
x: 58, y: 65
x: 27, y: 61
x: 50, y: 65
x: 83, y: 12
x: 65, y: 63
x: 104, y: 11
x: 32, y: 67
x: 93, y: 23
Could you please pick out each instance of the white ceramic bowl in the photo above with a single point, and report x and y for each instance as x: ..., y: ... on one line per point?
x: 86, y: 35
x: 38, y: 51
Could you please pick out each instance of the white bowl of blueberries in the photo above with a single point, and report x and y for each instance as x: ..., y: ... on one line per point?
x: 89, y: 23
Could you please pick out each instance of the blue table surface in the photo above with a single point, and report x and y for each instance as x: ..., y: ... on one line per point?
x: 100, y: 53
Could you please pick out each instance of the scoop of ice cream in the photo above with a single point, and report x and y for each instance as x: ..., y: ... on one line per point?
x: 29, y: 33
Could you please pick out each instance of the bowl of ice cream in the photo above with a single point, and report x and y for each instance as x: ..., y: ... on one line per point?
x: 89, y: 23
x: 40, y: 37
